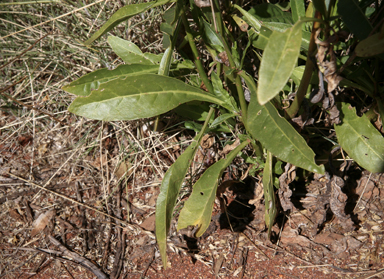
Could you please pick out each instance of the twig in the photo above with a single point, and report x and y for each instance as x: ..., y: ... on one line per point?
x: 77, y: 258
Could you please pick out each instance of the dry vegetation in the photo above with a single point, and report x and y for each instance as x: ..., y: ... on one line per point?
x: 77, y: 196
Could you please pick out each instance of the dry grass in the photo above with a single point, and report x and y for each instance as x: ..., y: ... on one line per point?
x: 84, y: 163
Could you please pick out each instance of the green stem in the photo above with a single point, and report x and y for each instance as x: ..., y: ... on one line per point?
x: 199, y: 65
x: 301, y: 92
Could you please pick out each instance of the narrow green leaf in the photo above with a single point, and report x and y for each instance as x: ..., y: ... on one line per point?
x: 222, y: 94
x: 123, y: 14
x: 221, y: 119
x: 298, y: 9
x: 360, y: 139
x: 138, y: 96
x: 253, y: 21
x: 131, y: 53
x: 279, y: 60
x: 92, y: 81
x: 277, y: 135
x: 269, y: 194
x: 198, y: 208
x: 370, y: 46
x: 354, y: 17
x: 169, y: 191
x: 165, y: 63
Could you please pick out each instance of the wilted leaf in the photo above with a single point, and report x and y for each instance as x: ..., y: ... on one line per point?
x: 198, y: 208
x: 279, y: 60
x: 42, y: 221
x: 138, y: 96
x: 360, y: 139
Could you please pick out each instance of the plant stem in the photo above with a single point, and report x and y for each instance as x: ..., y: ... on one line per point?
x: 294, y: 108
x: 195, y: 52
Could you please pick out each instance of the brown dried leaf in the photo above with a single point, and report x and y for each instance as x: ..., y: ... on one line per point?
x: 338, y: 199
x: 125, y: 167
x: 284, y: 192
x: 149, y: 223
x: 42, y: 221
x: 291, y: 236
x: 229, y: 147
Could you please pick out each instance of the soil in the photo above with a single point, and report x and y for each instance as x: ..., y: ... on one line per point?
x: 62, y: 218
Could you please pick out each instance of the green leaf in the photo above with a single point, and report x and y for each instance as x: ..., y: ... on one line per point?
x: 268, y: 12
x: 269, y: 194
x: 222, y: 118
x: 130, y: 53
x: 370, y: 46
x: 222, y: 94
x: 211, y: 38
x: 123, y: 14
x: 92, y: 81
x: 138, y: 96
x: 298, y: 9
x: 354, y: 17
x: 277, y: 135
x: 197, y: 111
x: 279, y: 60
x: 169, y: 191
x: 361, y: 140
x: 253, y: 21
x: 198, y: 208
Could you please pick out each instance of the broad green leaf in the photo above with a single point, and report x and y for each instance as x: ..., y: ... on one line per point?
x: 354, y: 17
x: 211, y: 38
x: 277, y: 135
x: 360, y: 139
x: 123, y: 14
x: 269, y: 194
x: 138, y: 96
x: 320, y: 6
x: 279, y: 60
x: 92, y: 81
x: 370, y: 46
x: 298, y: 9
x: 131, y: 53
x: 169, y: 191
x: 261, y: 39
x: 198, y: 208
x: 197, y: 111
x: 268, y: 12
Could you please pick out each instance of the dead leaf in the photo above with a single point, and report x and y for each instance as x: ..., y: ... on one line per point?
x: 125, y: 168
x: 42, y: 221
x: 284, y: 192
x: 229, y: 147
x: 338, y: 199
x: 149, y: 223
x: 291, y: 236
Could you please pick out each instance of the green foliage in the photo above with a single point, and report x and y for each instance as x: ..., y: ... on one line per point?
x: 281, y: 42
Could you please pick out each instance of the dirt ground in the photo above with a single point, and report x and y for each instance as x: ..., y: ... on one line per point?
x: 78, y: 196
x: 77, y: 216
